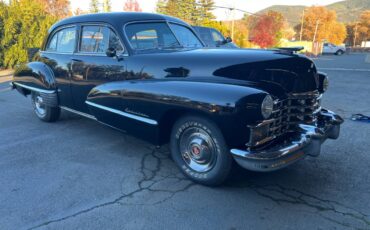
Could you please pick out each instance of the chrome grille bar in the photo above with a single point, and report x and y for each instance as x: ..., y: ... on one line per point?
x: 301, y: 108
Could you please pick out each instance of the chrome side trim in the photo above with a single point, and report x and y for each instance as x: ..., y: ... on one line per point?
x: 33, y: 88
x: 132, y: 116
x: 77, y: 112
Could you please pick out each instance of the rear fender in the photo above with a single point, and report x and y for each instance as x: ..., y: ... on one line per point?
x: 36, y: 77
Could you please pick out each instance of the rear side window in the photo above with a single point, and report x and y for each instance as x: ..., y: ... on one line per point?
x: 97, y: 39
x: 205, y: 35
x: 143, y: 36
x: 217, y: 37
x: 63, y: 41
x: 186, y: 37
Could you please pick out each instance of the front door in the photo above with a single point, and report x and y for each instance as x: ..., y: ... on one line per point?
x: 91, y: 66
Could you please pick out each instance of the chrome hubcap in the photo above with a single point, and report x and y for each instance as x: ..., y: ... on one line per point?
x: 39, y: 105
x: 198, y: 149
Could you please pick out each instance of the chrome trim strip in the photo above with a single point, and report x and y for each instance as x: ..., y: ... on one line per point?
x: 79, y: 113
x: 33, y: 88
x: 132, y: 116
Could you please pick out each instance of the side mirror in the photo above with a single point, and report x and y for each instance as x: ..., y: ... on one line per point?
x: 111, y: 52
x: 228, y: 40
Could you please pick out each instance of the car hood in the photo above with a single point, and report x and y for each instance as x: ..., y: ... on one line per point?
x: 277, y: 72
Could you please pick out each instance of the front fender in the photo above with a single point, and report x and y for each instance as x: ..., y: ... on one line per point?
x: 227, y: 105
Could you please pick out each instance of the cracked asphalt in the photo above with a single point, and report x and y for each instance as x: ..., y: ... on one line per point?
x: 79, y: 174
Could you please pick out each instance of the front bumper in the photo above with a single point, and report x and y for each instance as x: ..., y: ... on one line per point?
x: 307, y: 142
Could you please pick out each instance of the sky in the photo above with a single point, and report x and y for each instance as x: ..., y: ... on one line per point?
x: 221, y: 14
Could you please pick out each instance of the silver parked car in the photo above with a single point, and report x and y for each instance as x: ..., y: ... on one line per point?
x: 330, y: 48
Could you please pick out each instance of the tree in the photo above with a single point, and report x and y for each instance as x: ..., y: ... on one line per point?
x: 57, y: 8
x: 107, y: 6
x: 204, y: 10
x: 360, y: 30
x: 364, y: 26
x: 328, y: 28
x: 161, y: 6
x: 267, y: 29
x: 94, y: 6
x: 78, y: 11
x: 132, y: 6
x: 195, y: 12
x: 3, y: 17
x: 25, y: 26
x: 338, y: 33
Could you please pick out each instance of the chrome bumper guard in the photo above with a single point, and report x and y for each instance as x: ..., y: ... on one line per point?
x: 307, y: 142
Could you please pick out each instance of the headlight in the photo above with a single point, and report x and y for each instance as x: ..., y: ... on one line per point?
x: 325, y: 84
x: 267, y: 106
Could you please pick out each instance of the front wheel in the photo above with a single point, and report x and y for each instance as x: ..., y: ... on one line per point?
x: 200, y: 151
x: 43, y: 111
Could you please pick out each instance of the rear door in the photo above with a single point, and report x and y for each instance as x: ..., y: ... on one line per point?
x: 57, y: 55
x: 90, y: 64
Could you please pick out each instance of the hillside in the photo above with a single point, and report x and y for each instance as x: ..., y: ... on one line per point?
x: 347, y: 11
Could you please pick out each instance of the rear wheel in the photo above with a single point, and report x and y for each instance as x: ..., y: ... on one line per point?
x: 42, y: 111
x: 200, y: 151
x: 339, y: 52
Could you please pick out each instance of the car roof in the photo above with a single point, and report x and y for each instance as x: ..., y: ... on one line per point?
x: 115, y: 18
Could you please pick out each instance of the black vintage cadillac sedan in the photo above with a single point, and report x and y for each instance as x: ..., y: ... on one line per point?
x: 151, y: 76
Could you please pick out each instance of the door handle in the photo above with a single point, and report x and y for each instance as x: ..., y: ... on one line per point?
x: 76, y: 60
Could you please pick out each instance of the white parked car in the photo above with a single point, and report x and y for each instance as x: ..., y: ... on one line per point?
x: 330, y: 48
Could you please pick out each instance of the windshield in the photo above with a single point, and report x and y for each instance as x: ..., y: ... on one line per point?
x: 159, y: 36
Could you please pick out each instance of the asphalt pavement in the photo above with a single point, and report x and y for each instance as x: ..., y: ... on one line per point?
x: 79, y: 174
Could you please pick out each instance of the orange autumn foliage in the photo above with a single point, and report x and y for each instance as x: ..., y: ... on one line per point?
x: 329, y: 29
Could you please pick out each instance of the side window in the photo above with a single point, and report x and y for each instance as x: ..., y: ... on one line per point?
x: 53, y: 43
x: 186, y: 37
x: 217, y: 37
x: 63, y: 41
x: 94, y: 39
x: 206, y: 37
x: 152, y: 35
x: 114, y: 41
x: 145, y: 39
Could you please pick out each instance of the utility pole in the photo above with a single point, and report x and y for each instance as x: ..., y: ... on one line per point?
x: 300, y: 34
x: 314, y: 36
x: 355, y: 35
x: 233, y: 24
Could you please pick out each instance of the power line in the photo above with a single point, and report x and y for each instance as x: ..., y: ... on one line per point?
x: 244, y: 11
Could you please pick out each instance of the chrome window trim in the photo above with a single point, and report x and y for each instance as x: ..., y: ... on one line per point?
x: 53, y: 52
x: 119, y: 112
x: 77, y: 112
x: 34, y: 88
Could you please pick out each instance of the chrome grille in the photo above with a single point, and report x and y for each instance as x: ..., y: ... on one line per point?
x: 297, y: 109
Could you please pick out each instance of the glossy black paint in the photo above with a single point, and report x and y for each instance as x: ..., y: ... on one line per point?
x: 225, y: 85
